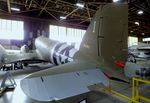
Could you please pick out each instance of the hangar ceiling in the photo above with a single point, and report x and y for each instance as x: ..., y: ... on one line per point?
x: 53, y: 9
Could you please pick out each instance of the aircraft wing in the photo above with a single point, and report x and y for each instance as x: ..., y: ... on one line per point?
x: 144, y: 48
x: 63, y: 81
x: 15, y: 56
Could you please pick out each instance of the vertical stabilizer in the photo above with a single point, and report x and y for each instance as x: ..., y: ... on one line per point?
x: 106, y: 36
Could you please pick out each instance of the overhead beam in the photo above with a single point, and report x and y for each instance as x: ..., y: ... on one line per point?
x: 87, y: 8
x: 49, y: 9
x: 148, y: 3
x: 3, y: 11
x: 44, y: 7
x: 52, y: 15
x: 26, y: 3
x: 46, y: 11
x: 142, y: 8
x: 71, y: 12
x: 81, y: 22
x: 30, y: 3
x: 79, y: 16
x: 8, y: 6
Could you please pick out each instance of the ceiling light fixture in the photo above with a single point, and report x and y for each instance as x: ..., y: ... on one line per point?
x: 81, y: 5
x: 115, y: 0
x: 140, y: 12
x: 15, y: 9
x: 137, y: 23
x: 143, y: 33
x: 62, y: 17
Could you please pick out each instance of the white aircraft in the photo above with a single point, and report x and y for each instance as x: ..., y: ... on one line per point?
x: 140, y: 51
x: 103, y: 47
x: 18, y: 58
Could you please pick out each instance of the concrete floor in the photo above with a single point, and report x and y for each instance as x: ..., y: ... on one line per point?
x: 17, y: 96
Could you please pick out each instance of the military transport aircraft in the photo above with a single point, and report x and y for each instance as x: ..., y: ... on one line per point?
x: 43, y: 53
x: 103, y: 48
x: 140, y: 51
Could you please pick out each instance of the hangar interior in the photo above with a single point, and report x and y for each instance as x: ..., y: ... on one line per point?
x: 22, y: 21
x: 37, y: 16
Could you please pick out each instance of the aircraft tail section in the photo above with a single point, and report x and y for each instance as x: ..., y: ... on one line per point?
x: 106, y: 36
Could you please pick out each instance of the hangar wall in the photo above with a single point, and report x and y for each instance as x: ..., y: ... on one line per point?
x: 34, y: 27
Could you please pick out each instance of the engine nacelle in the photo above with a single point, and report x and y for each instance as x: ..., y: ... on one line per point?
x: 54, y: 51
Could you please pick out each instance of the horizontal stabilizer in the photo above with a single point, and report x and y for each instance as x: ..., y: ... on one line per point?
x: 62, y: 86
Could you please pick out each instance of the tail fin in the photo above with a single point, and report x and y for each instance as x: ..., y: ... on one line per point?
x: 106, y: 36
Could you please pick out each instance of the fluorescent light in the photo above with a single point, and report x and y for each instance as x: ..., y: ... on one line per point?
x: 115, y: 0
x: 137, y: 23
x: 143, y: 33
x: 140, y: 12
x: 15, y: 9
x: 146, y: 39
x: 62, y: 17
x: 81, y: 5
